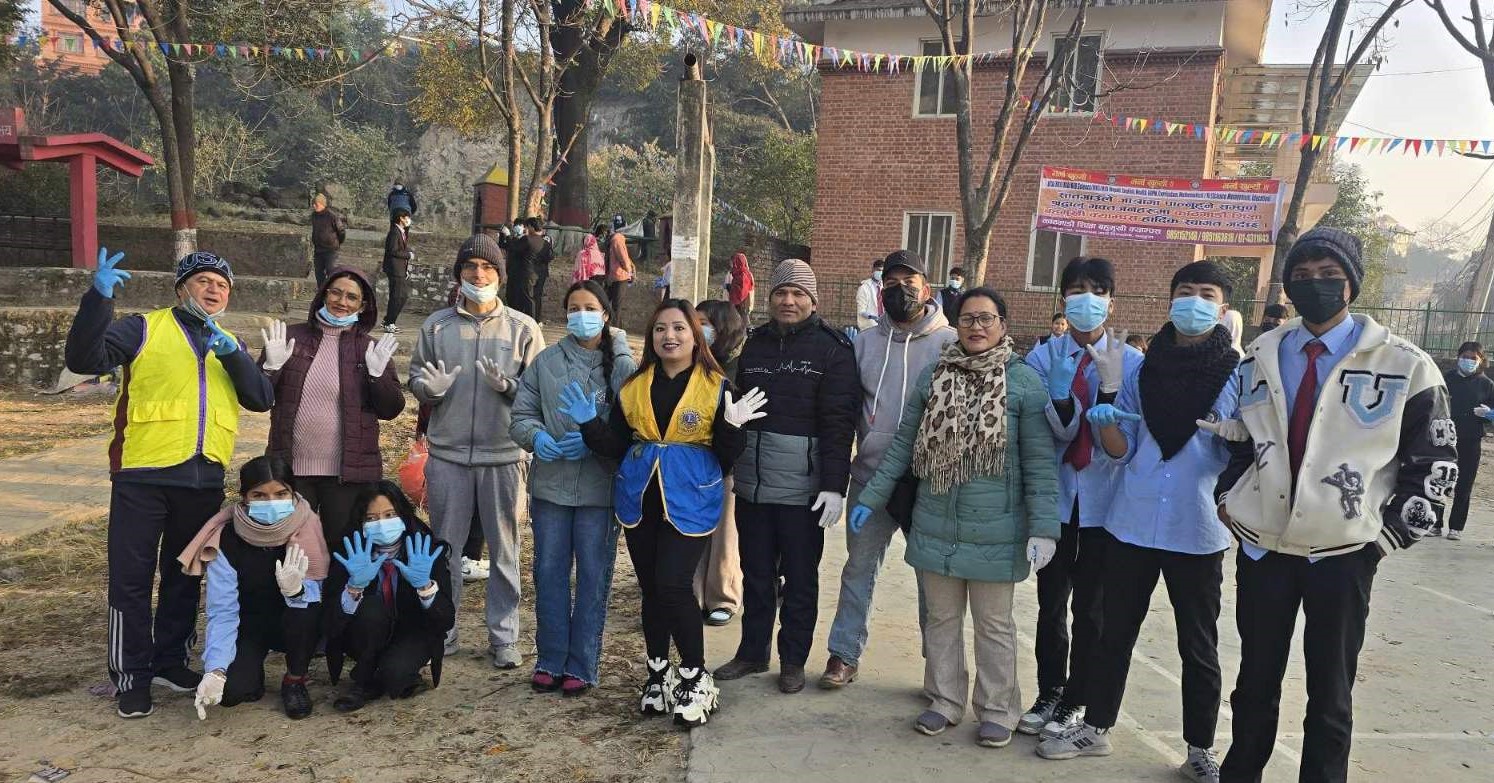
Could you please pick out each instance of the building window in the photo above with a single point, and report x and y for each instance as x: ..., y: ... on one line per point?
x: 1078, y: 73
x: 931, y: 236
x: 1048, y: 254
x: 72, y: 44
x: 936, y: 88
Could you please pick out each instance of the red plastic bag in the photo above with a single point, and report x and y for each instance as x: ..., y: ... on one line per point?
x: 412, y: 472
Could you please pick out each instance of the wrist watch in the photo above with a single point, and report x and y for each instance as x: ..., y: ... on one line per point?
x: 428, y: 591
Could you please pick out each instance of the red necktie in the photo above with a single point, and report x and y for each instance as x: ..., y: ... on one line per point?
x: 386, y: 582
x: 1307, y: 399
x: 1078, y: 453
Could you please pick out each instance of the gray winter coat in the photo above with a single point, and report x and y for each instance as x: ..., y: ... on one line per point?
x: 572, y: 483
x: 889, y: 361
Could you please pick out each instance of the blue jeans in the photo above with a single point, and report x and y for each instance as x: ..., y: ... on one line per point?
x: 569, y: 636
x: 864, y: 554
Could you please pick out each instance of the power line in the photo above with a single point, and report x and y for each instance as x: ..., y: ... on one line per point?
x: 1461, y: 198
x: 1422, y: 73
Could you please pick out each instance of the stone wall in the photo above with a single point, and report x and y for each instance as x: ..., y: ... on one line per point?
x: 57, y: 287
x: 256, y: 253
x: 31, y: 341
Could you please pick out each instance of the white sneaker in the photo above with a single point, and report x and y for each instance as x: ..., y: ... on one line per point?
x: 1201, y: 766
x: 1065, y: 717
x: 1454, y: 535
x: 507, y: 656
x: 1037, y: 717
x: 391, y: 328
x: 474, y: 570
x: 1080, y: 740
x: 658, y: 692
x: 695, y: 698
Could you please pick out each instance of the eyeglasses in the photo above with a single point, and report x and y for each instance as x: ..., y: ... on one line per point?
x: 983, y: 320
x: 468, y: 266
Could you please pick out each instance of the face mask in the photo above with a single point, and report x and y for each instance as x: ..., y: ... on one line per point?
x: 190, y: 305
x: 1086, y: 311
x: 1468, y: 366
x: 384, y: 532
x: 956, y: 283
x: 1194, y: 315
x: 709, y: 333
x: 336, y: 320
x: 1318, y: 300
x: 269, y: 512
x: 584, y: 324
x: 902, y: 303
x: 479, y: 294
x: 1267, y: 327
x: 877, y: 276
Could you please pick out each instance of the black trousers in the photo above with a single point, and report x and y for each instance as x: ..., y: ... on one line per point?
x: 291, y: 631
x: 541, y: 277
x: 1334, y: 594
x: 776, y: 541
x: 519, y: 292
x: 1470, y: 447
x: 332, y: 499
x: 388, y: 654
x: 398, y: 273
x: 149, y: 526
x: 322, y: 262
x: 615, y: 294
x: 1194, y: 586
x: 1075, y: 572
x: 665, y: 561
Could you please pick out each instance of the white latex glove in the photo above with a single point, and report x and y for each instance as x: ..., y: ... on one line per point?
x: 1481, y: 411
x: 833, y: 504
x: 497, y: 381
x: 209, y: 692
x: 290, y: 573
x: 436, y: 379
x: 1230, y: 429
x: 377, y: 357
x: 1040, y: 551
x: 277, y: 348
x: 749, y: 408
x: 1110, y: 363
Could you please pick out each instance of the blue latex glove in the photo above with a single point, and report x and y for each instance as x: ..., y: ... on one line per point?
x: 851, y: 332
x: 221, y: 343
x: 362, y: 566
x: 546, y: 448
x: 109, y: 276
x: 419, y: 558
x: 577, y: 404
x: 1061, y: 371
x: 1109, y: 416
x: 858, y: 517
x: 573, y: 447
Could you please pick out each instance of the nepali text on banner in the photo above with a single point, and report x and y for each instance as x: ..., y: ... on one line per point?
x: 1159, y: 209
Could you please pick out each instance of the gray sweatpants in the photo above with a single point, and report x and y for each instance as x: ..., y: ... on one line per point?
x: 453, y: 491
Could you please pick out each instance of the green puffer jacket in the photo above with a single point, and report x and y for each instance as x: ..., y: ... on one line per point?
x: 979, y: 530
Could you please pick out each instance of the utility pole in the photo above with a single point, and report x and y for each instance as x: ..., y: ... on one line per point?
x: 690, y: 243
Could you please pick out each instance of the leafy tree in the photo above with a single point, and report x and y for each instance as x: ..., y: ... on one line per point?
x: 776, y: 184
x: 1357, y: 211
x: 631, y: 180
x: 11, y: 17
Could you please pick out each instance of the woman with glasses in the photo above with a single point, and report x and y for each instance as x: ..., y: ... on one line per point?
x: 986, y: 512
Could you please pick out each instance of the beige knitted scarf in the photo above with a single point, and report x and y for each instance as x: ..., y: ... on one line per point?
x: 963, y: 432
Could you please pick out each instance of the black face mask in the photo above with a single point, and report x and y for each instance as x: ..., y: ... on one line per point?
x: 1318, y: 300
x: 902, y: 303
x: 1266, y: 327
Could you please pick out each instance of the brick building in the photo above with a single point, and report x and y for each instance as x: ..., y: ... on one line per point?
x: 888, y: 169
x: 67, y: 44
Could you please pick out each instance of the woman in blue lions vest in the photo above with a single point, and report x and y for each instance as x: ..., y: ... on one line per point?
x: 677, y: 431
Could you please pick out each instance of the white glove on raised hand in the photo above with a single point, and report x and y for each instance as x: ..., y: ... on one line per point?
x: 749, y: 408
x: 1232, y: 430
x: 832, y: 503
x: 377, y: 357
x: 209, y: 692
x: 1481, y: 411
x: 1110, y: 364
x: 290, y: 573
x: 278, y: 350
x: 436, y: 379
x: 497, y: 381
x: 1040, y: 551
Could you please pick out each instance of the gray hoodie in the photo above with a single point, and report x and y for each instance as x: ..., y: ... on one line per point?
x: 889, y: 361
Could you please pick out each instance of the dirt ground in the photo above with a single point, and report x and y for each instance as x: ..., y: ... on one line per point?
x: 35, y: 422
x: 479, y: 725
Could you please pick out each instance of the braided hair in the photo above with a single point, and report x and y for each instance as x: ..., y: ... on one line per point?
x: 608, y: 356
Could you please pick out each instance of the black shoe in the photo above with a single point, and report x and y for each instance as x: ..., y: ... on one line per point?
x: 178, y: 678
x: 295, y: 698
x: 135, y: 703
x: 736, y: 669
x: 355, y: 697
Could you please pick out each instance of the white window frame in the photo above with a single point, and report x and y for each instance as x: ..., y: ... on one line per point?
x: 933, y: 274
x: 1099, y: 73
x: 918, y: 86
x: 1057, y: 263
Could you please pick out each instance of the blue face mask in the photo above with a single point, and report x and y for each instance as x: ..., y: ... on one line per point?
x: 329, y: 319
x: 709, y: 333
x: 1468, y: 366
x: 584, y: 324
x: 1194, y: 315
x: 269, y: 512
x: 877, y: 276
x: 384, y: 532
x: 1086, y: 311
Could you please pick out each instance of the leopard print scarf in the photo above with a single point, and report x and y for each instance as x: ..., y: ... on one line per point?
x: 963, y: 432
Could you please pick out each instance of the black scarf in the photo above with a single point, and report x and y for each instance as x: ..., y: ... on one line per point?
x: 1179, y: 384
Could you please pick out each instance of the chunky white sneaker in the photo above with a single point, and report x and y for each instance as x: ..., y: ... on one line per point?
x: 1200, y: 766
x: 1065, y: 717
x: 474, y: 570
x: 1036, y: 718
x: 1080, y: 740
x: 695, y: 698
x: 1454, y: 535
x: 658, y: 692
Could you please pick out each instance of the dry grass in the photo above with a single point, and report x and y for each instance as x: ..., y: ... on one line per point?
x: 30, y: 423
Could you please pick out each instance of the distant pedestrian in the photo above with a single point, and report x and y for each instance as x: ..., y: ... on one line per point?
x: 869, y: 298
x: 397, y: 259
x: 1471, y: 396
x: 591, y: 263
x: 401, y: 198
x: 739, y: 287
x: 328, y: 231
x: 949, y: 295
x: 529, y: 255
x: 1272, y: 317
x: 1057, y: 328
x: 620, y: 268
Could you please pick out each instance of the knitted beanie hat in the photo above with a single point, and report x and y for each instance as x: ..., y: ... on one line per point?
x: 1334, y: 243
x: 202, y: 261
x: 484, y: 247
x: 794, y: 272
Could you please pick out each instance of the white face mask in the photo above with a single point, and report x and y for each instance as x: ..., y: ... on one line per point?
x: 479, y: 294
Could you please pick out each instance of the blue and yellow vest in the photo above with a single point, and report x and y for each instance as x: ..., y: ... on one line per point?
x: 172, y: 405
x: 690, y: 480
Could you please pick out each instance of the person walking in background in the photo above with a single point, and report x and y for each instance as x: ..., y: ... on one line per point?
x: 949, y: 295
x: 889, y: 361
x: 620, y: 268
x: 1471, y: 396
x: 570, y: 504
x: 976, y: 438
x: 401, y: 198
x: 1273, y: 316
x: 791, y: 480
x: 1058, y: 327
x: 397, y: 259
x: 591, y: 262
x: 718, y: 580
x: 739, y: 287
x: 333, y: 384
x: 328, y: 231
x: 527, y: 254
x: 466, y: 365
x: 677, y: 430
x: 869, y: 298
x: 175, y: 425
x: 661, y: 283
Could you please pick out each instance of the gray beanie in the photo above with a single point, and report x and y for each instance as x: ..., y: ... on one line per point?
x: 1334, y: 243
x: 794, y: 272
x: 484, y: 247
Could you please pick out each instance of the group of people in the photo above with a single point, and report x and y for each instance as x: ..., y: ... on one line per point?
x: 1098, y: 467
